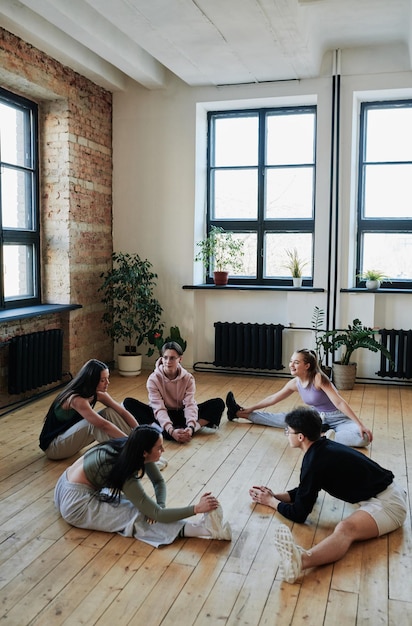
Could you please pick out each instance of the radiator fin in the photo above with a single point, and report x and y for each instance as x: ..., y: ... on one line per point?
x: 399, y: 344
x: 35, y: 360
x: 246, y: 345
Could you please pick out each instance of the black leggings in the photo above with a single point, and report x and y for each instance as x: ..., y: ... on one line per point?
x: 211, y: 411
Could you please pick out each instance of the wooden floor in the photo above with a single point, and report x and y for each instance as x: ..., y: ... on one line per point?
x: 51, y: 573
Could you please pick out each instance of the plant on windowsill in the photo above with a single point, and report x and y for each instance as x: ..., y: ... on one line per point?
x: 131, y: 310
x: 373, y: 278
x: 295, y: 265
x: 222, y: 251
x: 355, y: 336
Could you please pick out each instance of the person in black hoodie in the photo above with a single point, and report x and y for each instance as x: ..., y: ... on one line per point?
x: 342, y: 472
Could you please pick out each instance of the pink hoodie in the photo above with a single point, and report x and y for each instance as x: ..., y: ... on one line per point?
x: 178, y: 393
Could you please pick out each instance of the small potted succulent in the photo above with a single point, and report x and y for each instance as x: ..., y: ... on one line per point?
x: 373, y: 278
x: 295, y: 265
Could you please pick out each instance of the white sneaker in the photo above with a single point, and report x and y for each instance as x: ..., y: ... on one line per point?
x: 162, y: 463
x: 290, y: 565
x: 213, y: 522
x: 209, y: 430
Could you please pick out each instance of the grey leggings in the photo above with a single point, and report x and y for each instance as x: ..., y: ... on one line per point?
x: 346, y: 430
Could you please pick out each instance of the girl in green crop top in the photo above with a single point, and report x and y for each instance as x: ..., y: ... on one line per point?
x: 103, y: 491
x: 72, y: 423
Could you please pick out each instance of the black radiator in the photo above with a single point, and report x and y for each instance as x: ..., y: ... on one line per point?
x: 256, y: 346
x: 35, y: 360
x: 399, y: 344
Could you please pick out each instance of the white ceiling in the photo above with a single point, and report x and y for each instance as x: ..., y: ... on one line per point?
x: 204, y: 42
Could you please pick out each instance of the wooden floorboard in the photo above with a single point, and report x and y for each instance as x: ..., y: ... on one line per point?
x: 51, y: 573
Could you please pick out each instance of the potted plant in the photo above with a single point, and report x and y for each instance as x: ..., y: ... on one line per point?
x: 155, y: 337
x: 373, y: 278
x: 323, y: 345
x: 131, y: 310
x: 222, y: 251
x: 295, y: 265
x: 355, y: 336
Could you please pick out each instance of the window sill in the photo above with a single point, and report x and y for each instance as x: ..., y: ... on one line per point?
x: 251, y: 287
x: 375, y: 291
x: 10, y: 315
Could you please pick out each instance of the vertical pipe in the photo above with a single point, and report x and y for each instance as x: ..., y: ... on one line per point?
x: 336, y: 187
x: 333, y: 253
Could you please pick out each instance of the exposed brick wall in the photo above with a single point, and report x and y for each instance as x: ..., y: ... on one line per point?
x: 75, y: 144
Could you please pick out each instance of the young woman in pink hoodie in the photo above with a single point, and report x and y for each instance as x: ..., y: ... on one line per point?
x: 172, y: 403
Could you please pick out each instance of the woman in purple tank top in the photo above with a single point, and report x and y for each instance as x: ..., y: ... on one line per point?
x: 317, y: 391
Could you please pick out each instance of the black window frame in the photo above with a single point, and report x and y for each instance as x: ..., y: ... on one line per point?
x: 375, y: 224
x: 260, y: 225
x: 24, y: 236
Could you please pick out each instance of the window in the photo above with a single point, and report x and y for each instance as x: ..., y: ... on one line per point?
x: 261, y: 186
x: 20, y: 235
x: 384, y: 239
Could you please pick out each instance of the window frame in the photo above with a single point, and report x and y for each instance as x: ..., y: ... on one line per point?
x: 20, y: 236
x: 376, y: 224
x: 261, y: 225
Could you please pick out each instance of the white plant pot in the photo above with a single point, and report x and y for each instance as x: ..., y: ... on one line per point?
x: 297, y: 281
x: 129, y: 364
x: 372, y: 285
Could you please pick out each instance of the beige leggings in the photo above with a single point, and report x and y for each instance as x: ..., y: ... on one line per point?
x: 83, y: 434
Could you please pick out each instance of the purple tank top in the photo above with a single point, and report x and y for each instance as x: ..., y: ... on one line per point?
x: 315, y: 398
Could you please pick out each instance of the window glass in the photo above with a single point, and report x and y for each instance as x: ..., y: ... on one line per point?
x: 236, y: 140
x: 276, y: 258
x: 16, y: 198
x: 290, y: 139
x: 397, y: 249
x: 20, y: 229
x: 14, y: 145
x: 289, y: 192
x: 261, y: 186
x: 385, y: 188
x: 18, y: 271
x: 235, y: 194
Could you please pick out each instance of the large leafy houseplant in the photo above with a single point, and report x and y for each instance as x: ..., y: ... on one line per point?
x: 355, y: 336
x: 131, y: 310
x: 221, y: 250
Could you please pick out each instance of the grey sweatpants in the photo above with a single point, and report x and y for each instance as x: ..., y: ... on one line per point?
x: 347, y: 431
x: 79, y: 506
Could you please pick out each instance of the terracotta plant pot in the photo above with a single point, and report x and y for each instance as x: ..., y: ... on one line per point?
x: 220, y: 278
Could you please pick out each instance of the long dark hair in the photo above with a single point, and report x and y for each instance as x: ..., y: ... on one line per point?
x: 85, y: 382
x: 126, y: 459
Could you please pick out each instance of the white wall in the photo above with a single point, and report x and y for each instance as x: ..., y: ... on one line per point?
x: 159, y: 198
